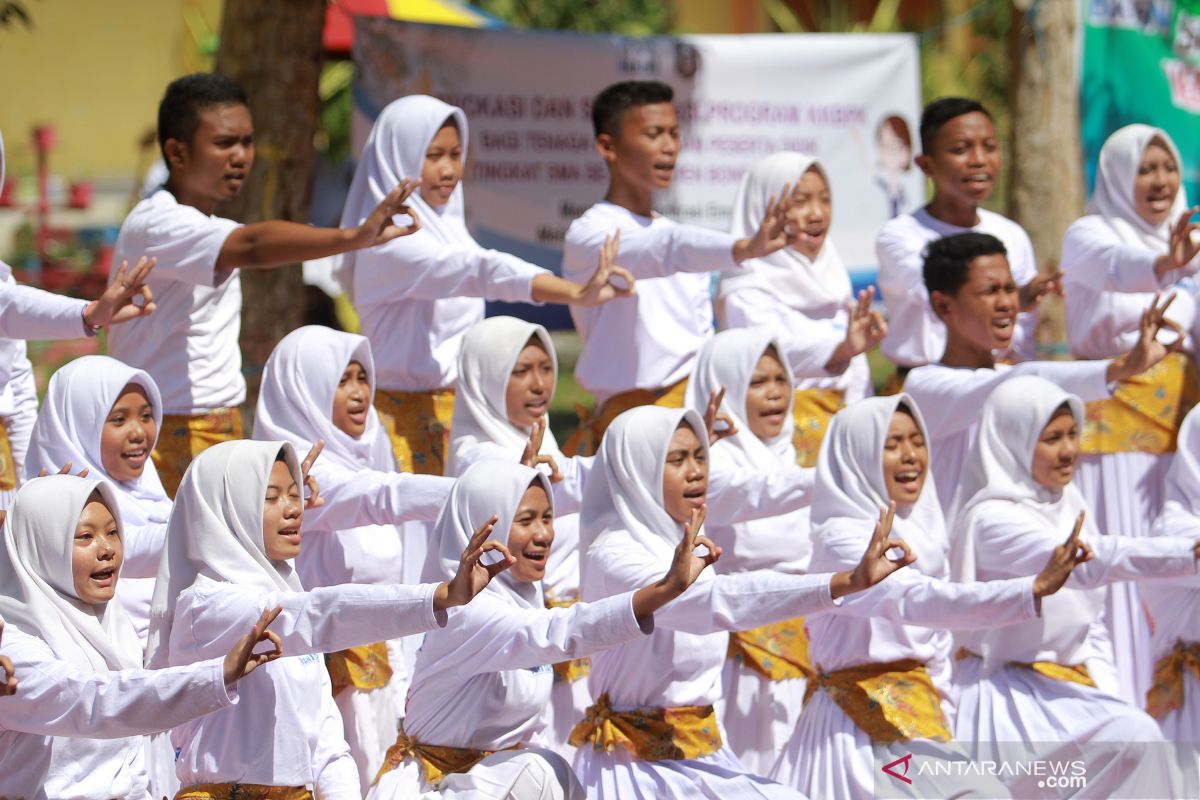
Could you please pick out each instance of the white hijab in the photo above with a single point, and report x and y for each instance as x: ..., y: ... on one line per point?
x: 728, y: 360
x: 1116, y: 172
x: 624, y: 492
x: 395, y: 150
x: 71, y: 422
x: 37, y: 585
x: 485, y: 488
x: 817, y: 288
x: 485, y: 362
x: 295, y: 401
x: 215, y: 532
x: 851, y: 489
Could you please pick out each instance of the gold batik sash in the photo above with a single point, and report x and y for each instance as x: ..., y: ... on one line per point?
x: 651, y: 734
x: 576, y: 668
x: 778, y: 651
x: 890, y: 702
x: 1067, y: 673
x: 182, y: 437
x: 585, y: 441
x: 418, y: 423
x: 436, y: 762
x: 8, y: 468
x: 811, y: 411
x: 366, y: 667
x: 243, y: 791
x: 1145, y: 412
x: 1166, y: 693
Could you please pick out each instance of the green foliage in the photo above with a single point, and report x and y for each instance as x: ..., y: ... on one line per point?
x: 627, y: 17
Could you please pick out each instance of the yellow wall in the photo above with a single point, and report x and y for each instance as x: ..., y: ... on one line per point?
x: 95, y: 71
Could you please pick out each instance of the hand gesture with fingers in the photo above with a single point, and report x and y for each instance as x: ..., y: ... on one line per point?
x: 8, y: 673
x: 242, y: 660
x: 312, y: 497
x: 117, y: 304
x: 473, y: 575
x: 1148, y: 350
x: 773, y: 232
x: 711, y: 417
x: 379, y: 227
x: 685, y: 568
x: 532, y: 455
x: 1184, y: 244
x: 602, y: 287
x: 1046, y: 283
x: 64, y: 470
x: 1062, y: 561
x: 875, y: 564
x: 864, y: 329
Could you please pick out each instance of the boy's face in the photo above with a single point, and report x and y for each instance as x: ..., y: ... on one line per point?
x: 965, y: 161
x: 214, y: 165
x: 984, y: 310
x: 642, y: 153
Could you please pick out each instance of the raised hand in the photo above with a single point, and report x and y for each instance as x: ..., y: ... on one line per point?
x: 116, y: 304
x: 242, y: 660
x: 379, y: 227
x: 864, y: 329
x: 773, y: 232
x: 1046, y: 283
x: 600, y: 288
x: 712, y: 417
x: 685, y: 568
x: 875, y: 564
x: 313, y: 498
x: 1062, y: 561
x: 473, y: 575
x: 532, y: 455
x: 1148, y: 351
x: 1184, y: 244
x: 9, y: 673
x: 65, y: 469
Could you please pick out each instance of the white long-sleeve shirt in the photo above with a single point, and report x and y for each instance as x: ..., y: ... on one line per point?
x: 286, y: 731
x: 915, y: 334
x: 1173, y: 605
x: 951, y: 400
x: 73, y: 733
x: 648, y: 341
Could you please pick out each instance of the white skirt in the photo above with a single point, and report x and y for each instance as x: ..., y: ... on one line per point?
x: 369, y: 722
x: 568, y: 706
x: 759, y: 715
x: 1125, y: 492
x: 528, y: 774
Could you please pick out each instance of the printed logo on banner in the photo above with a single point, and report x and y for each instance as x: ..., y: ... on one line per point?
x: 638, y: 58
x: 903, y: 762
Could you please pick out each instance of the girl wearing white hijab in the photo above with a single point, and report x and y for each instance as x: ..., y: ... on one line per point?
x: 78, y: 724
x: 763, y: 681
x: 652, y: 731
x: 1037, y: 682
x: 318, y: 385
x: 1134, y: 242
x: 232, y: 537
x: 881, y: 666
x: 100, y: 414
x: 802, y: 294
x: 507, y: 371
x: 418, y: 297
x: 483, y: 682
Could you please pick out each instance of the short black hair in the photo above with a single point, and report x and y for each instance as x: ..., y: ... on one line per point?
x: 618, y: 98
x: 187, y: 97
x: 948, y: 260
x: 941, y: 111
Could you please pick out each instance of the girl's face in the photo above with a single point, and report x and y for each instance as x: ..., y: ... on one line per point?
x: 97, y: 553
x: 442, y: 168
x: 351, y: 399
x: 531, y: 535
x: 812, y: 213
x: 905, y: 459
x: 767, y: 397
x: 529, y: 385
x: 1156, y: 184
x: 283, y: 511
x: 685, y: 476
x: 128, y: 434
x: 1056, y: 451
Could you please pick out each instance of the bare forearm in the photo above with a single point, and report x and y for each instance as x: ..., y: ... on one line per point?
x: 553, y: 289
x: 651, y: 598
x: 277, y: 243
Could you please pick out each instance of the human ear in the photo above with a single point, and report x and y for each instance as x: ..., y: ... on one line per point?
x: 606, y: 146
x: 176, y: 153
x: 925, y: 163
x: 941, y: 303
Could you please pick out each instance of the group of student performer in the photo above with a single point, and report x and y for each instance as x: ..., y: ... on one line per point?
x: 742, y: 577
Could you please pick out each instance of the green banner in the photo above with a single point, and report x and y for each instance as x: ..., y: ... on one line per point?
x: 1141, y: 63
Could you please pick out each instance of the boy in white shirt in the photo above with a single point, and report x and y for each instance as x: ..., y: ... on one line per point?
x: 190, y: 347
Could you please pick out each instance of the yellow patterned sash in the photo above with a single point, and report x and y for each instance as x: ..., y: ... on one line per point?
x: 811, y: 411
x: 778, y: 651
x: 243, y: 791
x: 890, y: 702
x: 365, y: 667
x: 1068, y: 673
x: 576, y: 668
x: 585, y: 441
x: 8, y: 468
x: 651, y: 734
x: 1166, y: 694
x: 182, y: 437
x: 418, y: 424
x: 1144, y: 414
x: 436, y: 762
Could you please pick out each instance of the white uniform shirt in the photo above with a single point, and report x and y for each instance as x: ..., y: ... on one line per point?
x: 648, y: 341
x: 915, y: 335
x: 74, y: 733
x: 190, y: 344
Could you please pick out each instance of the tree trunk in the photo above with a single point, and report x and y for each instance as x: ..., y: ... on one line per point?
x: 273, y: 49
x: 1046, y: 193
